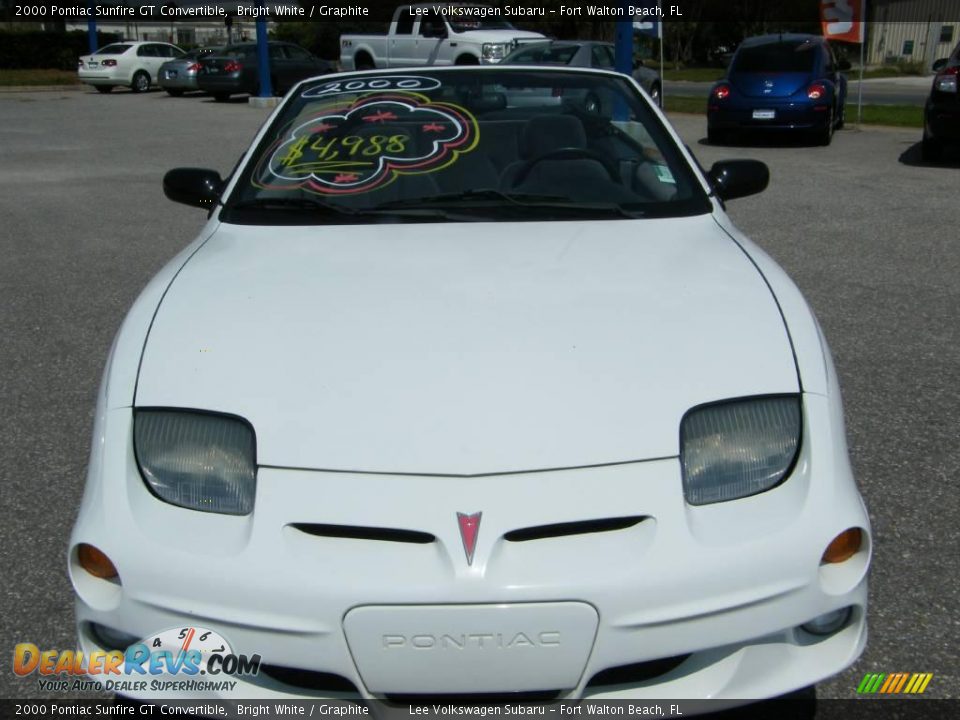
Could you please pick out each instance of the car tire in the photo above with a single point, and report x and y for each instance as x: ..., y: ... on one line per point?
x: 655, y: 95
x: 825, y: 137
x: 363, y: 62
x: 140, y: 82
x: 717, y: 137
x: 104, y: 88
x: 930, y: 150
x: 467, y: 60
x: 221, y: 96
x: 175, y: 92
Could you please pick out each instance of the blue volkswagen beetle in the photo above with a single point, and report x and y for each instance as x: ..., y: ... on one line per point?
x: 780, y: 82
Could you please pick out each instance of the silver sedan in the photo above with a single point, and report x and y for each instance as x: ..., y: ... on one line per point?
x: 582, y: 53
x: 180, y: 75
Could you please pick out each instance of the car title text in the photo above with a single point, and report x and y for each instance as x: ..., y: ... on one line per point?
x: 275, y: 11
x: 479, y: 12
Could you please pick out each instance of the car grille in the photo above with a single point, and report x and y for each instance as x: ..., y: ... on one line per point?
x: 636, y: 673
x: 357, y: 532
x: 309, y: 679
x: 542, y: 532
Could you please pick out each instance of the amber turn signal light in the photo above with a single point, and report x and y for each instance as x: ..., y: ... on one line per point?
x: 95, y: 562
x: 843, y: 547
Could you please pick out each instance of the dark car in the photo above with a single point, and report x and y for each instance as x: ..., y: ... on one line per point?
x: 236, y: 69
x: 180, y: 75
x: 582, y: 53
x: 787, y: 82
x: 941, y: 115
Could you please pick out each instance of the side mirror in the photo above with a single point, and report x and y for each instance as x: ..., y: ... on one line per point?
x: 193, y: 186
x: 939, y: 65
x: 738, y: 178
x: 843, y: 65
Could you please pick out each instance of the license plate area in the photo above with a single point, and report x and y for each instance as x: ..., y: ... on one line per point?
x: 471, y: 648
x: 764, y: 114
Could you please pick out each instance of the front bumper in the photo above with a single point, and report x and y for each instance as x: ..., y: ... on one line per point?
x: 223, y: 83
x: 102, y: 77
x: 181, y: 81
x: 689, y: 602
x: 786, y: 116
x: 942, y: 119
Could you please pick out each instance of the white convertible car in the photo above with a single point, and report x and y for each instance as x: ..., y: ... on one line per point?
x: 456, y: 397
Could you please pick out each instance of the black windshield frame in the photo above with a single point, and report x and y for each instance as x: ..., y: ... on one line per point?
x: 695, y: 202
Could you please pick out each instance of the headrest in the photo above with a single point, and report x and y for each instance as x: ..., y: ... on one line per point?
x: 546, y: 133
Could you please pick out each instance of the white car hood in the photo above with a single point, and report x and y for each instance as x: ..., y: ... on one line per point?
x: 467, y: 348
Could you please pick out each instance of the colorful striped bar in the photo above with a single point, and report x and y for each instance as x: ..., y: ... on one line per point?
x: 894, y: 683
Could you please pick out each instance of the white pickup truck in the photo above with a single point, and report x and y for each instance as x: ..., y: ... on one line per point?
x: 435, y: 34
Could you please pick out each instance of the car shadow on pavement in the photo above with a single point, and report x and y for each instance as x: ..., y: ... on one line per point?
x: 769, y: 139
x: 913, y: 156
x: 118, y: 91
x: 233, y: 100
x: 185, y: 94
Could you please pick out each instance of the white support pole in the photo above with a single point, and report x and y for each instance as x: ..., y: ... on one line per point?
x: 663, y: 83
x: 860, y: 86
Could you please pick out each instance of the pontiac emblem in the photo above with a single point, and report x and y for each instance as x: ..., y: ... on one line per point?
x: 469, y: 529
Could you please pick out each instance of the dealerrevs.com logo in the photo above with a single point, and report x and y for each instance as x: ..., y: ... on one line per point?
x: 177, y: 660
x: 894, y: 683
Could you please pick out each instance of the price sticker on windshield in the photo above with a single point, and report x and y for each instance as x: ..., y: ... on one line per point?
x: 367, y: 144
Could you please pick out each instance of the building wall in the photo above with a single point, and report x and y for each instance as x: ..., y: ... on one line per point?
x: 911, y: 30
x: 201, y: 32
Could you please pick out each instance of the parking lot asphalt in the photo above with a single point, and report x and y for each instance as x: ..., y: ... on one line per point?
x: 867, y: 231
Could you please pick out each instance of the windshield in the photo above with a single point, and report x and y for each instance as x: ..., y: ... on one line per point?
x: 467, y: 25
x: 113, y: 50
x: 465, y: 145
x: 545, y: 54
x: 464, y: 18
x: 775, y: 57
x: 237, y: 50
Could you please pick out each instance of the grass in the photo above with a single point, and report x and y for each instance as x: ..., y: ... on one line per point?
x: 908, y: 116
x: 38, y: 77
x: 875, y: 73
x: 693, y: 74
x: 899, y: 69
x: 675, y: 103
x: 894, y: 115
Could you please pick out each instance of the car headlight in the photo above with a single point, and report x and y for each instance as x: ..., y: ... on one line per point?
x: 492, y: 52
x: 734, y: 449
x: 196, y: 460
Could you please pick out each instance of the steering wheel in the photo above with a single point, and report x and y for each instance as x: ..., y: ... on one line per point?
x: 567, y: 153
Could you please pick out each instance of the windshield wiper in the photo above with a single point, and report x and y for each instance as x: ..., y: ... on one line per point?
x: 525, y: 200
x: 467, y: 196
x: 436, y: 207
x: 289, y: 203
x: 315, y: 205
